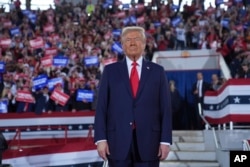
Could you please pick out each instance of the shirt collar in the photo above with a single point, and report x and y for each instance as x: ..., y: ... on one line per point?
x: 129, y: 61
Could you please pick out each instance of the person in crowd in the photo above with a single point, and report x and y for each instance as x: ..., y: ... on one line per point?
x: 176, y: 103
x: 83, y: 105
x: 25, y: 106
x: 54, y: 105
x: 215, y: 82
x: 133, y: 124
x: 42, y: 100
x: 244, y: 72
x: 198, y: 89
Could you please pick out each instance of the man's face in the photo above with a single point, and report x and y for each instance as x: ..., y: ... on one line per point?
x: 133, y: 44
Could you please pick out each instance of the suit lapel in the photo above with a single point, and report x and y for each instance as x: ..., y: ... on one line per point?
x: 125, y: 76
x: 144, y: 75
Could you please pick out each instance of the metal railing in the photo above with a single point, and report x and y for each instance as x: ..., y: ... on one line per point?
x: 208, y: 126
x: 18, y: 135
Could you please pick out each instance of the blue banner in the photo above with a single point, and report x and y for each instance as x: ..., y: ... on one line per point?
x: 2, y: 67
x: 176, y: 21
x: 60, y: 61
x: 3, y: 106
x: 52, y: 82
x: 32, y: 17
x: 26, y: 12
x: 133, y: 19
x: 86, y: 95
x: 91, y: 61
x: 238, y: 1
x: 15, y: 31
x: 117, y: 32
x: 110, y: 2
x: 117, y: 47
x: 105, y: 5
x: 126, y: 6
x: 218, y: 2
x: 40, y: 81
x: 157, y: 24
x: 126, y: 21
x: 225, y: 23
x: 174, y: 7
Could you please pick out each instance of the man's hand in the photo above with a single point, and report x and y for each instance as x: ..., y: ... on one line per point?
x: 103, y: 149
x: 163, y: 151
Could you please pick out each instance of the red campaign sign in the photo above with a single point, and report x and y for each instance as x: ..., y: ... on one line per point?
x: 55, y: 37
x: 51, y: 51
x: 24, y: 96
x: 109, y: 61
x: 107, y: 36
x: 7, y: 24
x: 117, y: 3
x: 37, y: 43
x: 121, y: 14
x: 59, y: 97
x: 239, y: 28
x: 49, y: 28
x: 140, y: 19
x: 5, y: 43
x: 47, y: 61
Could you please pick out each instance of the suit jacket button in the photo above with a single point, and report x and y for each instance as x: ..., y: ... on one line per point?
x: 130, y: 123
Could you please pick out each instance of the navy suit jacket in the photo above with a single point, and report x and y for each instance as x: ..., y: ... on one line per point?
x: 117, y: 109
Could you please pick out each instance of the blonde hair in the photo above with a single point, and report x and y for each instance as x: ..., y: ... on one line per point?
x: 125, y: 30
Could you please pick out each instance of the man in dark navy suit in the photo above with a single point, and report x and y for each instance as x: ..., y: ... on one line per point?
x: 199, y: 88
x: 133, y: 122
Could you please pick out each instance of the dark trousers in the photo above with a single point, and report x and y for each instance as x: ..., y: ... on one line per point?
x: 133, y: 159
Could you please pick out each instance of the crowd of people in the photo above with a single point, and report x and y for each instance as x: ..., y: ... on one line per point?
x: 87, y: 36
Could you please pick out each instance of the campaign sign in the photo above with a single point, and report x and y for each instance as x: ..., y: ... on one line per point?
x: 59, y: 97
x: 218, y: 2
x: 26, y: 12
x: 5, y: 43
x: 15, y: 31
x: 174, y: 7
x: 121, y: 14
x: 176, y: 21
x: 37, y: 43
x: 46, y: 61
x: 24, y: 96
x: 110, y: 2
x: 49, y: 28
x: 51, y: 51
x: 140, y: 20
x: 85, y: 95
x: 116, y: 47
x: 7, y: 23
x: 2, y: 67
x: 133, y: 19
x: 60, y: 61
x: 40, y: 81
x: 157, y: 24
x: 91, y: 61
x: 239, y: 158
x: 225, y: 22
x: 32, y: 17
x: 117, y: 32
x: 52, y: 82
x: 109, y: 61
x: 126, y: 21
x: 105, y: 5
x: 3, y: 106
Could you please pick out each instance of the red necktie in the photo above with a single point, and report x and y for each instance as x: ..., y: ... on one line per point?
x: 134, y: 79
